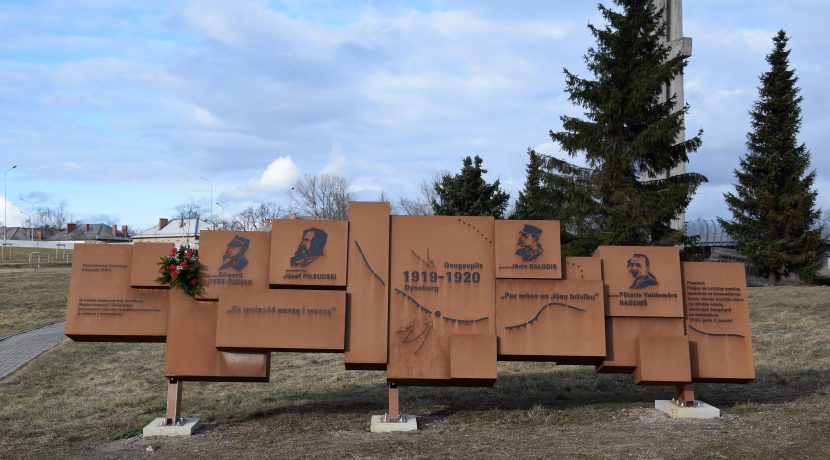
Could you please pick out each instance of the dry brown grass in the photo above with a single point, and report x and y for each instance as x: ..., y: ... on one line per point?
x: 31, y: 298
x: 49, y: 258
x: 73, y: 400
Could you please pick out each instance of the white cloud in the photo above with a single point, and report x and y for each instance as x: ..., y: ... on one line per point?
x: 14, y: 214
x: 337, y: 161
x: 278, y: 177
x: 206, y: 119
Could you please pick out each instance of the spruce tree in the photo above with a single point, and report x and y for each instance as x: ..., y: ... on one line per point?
x: 773, y: 208
x: 627, y: 135
x: 532, y: 202
x: 468, y: 194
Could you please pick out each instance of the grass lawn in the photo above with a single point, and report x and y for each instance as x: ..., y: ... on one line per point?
x: 31, y: 298
x: 91, y: 400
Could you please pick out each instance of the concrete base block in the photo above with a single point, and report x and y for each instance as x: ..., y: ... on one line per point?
x: 185, y: 427
x: 675, y: 411
x: 380, y: 424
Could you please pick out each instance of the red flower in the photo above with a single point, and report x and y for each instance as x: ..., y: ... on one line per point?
x: 194, y: 282
x: 189, y: 253
x: 173, y: 251
x: 172, y: 267
x: 174, y: 275
x: 183, y: 264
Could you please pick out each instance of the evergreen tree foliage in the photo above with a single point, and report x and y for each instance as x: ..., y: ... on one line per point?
x: 532, y: 202
x: 468, y: 194
x: 628, y: 135
x: 773, y: 207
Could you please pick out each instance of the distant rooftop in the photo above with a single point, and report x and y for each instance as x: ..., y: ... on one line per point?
x: 175, y: 228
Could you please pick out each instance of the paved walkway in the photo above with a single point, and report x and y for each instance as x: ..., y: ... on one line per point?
x: 19, y: 349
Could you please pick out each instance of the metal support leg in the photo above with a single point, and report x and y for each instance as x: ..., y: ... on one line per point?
x: 394, y: 411
x: 174, y: 401
x: 686, y: 395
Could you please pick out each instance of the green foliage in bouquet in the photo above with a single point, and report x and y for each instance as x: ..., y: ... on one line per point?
x: 180, y: 270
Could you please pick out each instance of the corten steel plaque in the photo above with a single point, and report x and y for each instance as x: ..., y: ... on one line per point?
x: 582, y: 268
x: 101, y: 304
x: 528, y: 249
x: 309, y: 252
x: 442, y: 284
x: 550, y: 320
x: 191, y: 346
x: 368, y: 270
x: 281, y: 320
x: 642, y: 281
x: 717, y: 322
x: 473, y: 359
x: 621, y: 335
x: 662, y: 361
x: 145, y: 264
x: 233, y: 260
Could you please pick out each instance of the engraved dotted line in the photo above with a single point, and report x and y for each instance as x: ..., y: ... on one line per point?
x: 581, y: 275
x: 437, y: 313
x: 475, y: 229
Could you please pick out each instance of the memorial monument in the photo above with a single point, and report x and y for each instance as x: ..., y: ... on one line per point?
x: 429, y: 300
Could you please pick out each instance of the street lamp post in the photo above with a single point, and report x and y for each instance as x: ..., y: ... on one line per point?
x: 211, y: 199
x: 31, y: 220
x: 5, y: 219
x: 31, y: 225
x: 223, y: 206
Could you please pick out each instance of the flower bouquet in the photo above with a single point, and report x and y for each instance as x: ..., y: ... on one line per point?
x: 180, y: 269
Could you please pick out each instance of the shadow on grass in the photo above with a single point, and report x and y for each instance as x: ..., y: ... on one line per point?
x: 562, y: 390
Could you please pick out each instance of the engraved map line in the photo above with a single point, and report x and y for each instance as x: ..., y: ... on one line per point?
x: 437, y: 313
x: 430, y: 263
x: 362, y: 254
x: 714, y: 334
x: 411, y: 329
x: 544, y: 307
x: 475, y: 229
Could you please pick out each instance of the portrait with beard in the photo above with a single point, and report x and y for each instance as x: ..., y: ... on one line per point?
x: 310, y: 248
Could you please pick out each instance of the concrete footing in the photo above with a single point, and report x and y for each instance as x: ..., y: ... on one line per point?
x: 184, y: 427
x: 675, y: 410
x: 386, y: 424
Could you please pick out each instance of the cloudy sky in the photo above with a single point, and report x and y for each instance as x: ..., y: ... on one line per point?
x: 120, y: 108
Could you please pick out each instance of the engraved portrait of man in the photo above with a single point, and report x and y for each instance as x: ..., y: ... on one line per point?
x: 528, y: 244
x: 310, y: 248
x: 640, y: 268
x: 234, y: 256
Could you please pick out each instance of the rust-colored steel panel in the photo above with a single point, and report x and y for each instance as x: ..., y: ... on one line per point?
x: 103, y: 307
x: 582, y: 268
x: 281, y: 320
x: 367, y: 324
x: 642, y: 281
x: 233, y: 260
x: 550, y: 320
x: 442, y: 284
x: 528, y: 249
x: 191, y: 346
x: 621, y: 335
x: 473, y: 359
x: 309, y: 252
x: 717, y: 322
x: 662, y: 361
x: 145, y: 264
